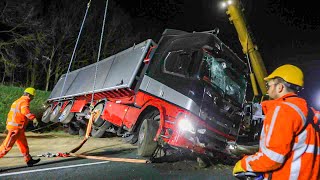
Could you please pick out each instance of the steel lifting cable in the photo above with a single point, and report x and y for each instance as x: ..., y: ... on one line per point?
x: 75, y: 47
x: 247, y: 53
x: 99, y: 51
x: 93, y: 113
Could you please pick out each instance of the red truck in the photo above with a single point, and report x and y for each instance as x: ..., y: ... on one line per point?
x: 186, y: 92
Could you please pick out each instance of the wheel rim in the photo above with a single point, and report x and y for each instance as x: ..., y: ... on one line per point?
x: 46, y: 113
x: 98, y: 121
x: 56, y: 110
x: 66, y: 116
x: 66, y: 110
x: 141, y: 135
x: 54, y: 117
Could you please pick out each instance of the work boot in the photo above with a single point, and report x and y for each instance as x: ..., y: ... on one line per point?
x: 31, y: 162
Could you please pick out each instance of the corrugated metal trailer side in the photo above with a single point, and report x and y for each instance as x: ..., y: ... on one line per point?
x: 115, y: 72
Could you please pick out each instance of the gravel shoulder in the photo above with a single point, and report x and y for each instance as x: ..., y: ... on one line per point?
x: 55, y: 142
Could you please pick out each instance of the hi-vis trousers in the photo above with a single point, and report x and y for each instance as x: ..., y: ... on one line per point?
x: 19, y: 137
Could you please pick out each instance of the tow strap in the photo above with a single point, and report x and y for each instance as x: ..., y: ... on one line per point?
x: 86, y: 137
x: 88, y: 131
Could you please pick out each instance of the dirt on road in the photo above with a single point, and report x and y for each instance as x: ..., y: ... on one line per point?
x: 55, y: 142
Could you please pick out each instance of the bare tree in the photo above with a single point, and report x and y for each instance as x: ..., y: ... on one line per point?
x: 40, y: 37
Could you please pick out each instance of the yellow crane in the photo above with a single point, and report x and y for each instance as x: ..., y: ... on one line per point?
x: 257, y: 68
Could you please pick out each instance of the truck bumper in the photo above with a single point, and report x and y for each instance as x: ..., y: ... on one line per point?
x: 199, y: 142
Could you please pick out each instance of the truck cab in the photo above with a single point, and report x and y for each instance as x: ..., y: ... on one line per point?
x: 202, y: 76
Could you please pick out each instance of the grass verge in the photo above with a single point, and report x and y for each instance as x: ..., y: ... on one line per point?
x: 8, y: 94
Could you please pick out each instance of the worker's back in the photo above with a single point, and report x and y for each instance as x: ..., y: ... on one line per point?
x: 19, y: 111
x: 303, y: 161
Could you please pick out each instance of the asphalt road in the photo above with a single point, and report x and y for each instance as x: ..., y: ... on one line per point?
x: 77, y: 168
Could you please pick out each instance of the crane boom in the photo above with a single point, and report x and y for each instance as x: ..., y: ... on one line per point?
x: 248, y: 47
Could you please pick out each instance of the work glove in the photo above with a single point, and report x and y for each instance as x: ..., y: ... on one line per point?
x: 237, y: 168
x: 35, y: 122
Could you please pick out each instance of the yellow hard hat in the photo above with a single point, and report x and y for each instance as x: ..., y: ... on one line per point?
x: 290, y: 73
x: 30, y: 90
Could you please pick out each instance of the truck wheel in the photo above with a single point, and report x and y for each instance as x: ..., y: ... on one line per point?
x: 98, y: 121
x: 98, y: 132
x: 148, y: 130
x: 66, y: 116
x: 133, y: 139
x: 54, y: 116
x: 46, y: 115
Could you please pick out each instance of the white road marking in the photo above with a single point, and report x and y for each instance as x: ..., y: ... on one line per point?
x: 54, y: 168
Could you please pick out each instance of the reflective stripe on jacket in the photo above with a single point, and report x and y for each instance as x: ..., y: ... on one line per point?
x: 19, y: 114
x: 289, y: 145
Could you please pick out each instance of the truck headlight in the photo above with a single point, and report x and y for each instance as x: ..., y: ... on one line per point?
x: 186, y: 125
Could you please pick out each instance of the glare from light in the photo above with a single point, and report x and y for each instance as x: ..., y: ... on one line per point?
x: 223, y: 5
x: 232, y: 147
x: 230, y: 2
x: 186, y: 125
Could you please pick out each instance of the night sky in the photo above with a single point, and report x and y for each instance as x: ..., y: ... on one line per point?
x: 284, y: 31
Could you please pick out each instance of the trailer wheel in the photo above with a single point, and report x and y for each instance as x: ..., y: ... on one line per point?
x: 66, y: 116
x: 146, y: 144
x: 54, y: 116
x: 98, y: 132
x: 98, y: 121
x: 46, y: 115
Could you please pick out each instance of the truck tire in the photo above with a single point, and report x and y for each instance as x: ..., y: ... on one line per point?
x: 98, y: 121
x: 46, y: 115
x: 66, y: 116
x: 148, y: 130
x: 54, y: 116
x: 133, y: 139
x: 98, y: 132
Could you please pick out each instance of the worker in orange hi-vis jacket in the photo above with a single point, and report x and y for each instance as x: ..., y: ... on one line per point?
x: 290, y: 142
x: 17, y: 121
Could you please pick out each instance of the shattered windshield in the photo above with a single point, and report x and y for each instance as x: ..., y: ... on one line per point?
x: 223, y: 78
